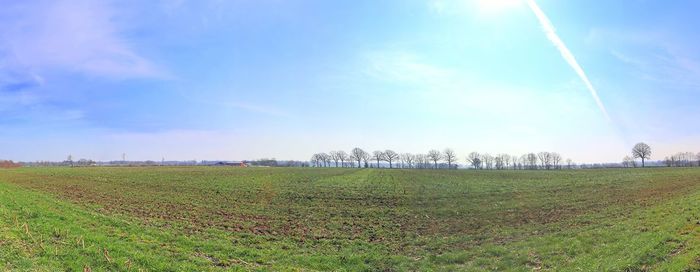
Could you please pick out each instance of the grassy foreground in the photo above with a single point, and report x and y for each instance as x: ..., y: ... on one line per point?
x: 202, y: 219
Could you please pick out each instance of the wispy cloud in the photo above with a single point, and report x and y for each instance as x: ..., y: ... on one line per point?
x: 74, y: 36
x: 654, y: 56
x: 551, y: 33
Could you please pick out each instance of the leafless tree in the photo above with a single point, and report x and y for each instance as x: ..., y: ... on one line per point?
x: 357, y: 154
x: 668, y: 161
x: 408, y: 159
x: 524, y: 162
x: 681, y: 159
x: 531, y: 159
x: 487, y: 161
x: 641, y: 151
x: 545, y: 159
x: 502, y: 161
x: 627, y: 161
x: 342, y: 156
x: 506, y: 160
x: 390, y: 156
x: 697, y: 157
x: 378, y: 156
x: 474, y: 159
x: 514, y: 160
x: 435, y: 156
x: 556, y: 159
x: 498, y: 160
x: 569, y: 163
x: 421, y: 161
x: 326, y: 159
x: 70, y: 160
x: 450, y: 157
x: 335, y: 156
x: 316, y: 159
x: 365, y: 158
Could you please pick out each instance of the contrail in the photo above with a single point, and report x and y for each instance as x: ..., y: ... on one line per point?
x: 548, y: 28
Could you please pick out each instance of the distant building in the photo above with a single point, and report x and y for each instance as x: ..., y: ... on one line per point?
x: 236, y: 164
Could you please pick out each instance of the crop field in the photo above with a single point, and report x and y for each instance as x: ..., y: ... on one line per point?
x: 272, y: 219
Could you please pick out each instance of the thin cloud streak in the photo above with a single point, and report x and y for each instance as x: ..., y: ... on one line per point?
x: 551, y: 33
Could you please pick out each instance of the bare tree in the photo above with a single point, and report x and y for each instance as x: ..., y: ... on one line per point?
x: 514, y: 160
x: 487, y: 161
x: 502, y: 161
x: 326, y: 159
x: 545, y: 159
x: 697, y: 157
x: 390, y: 156
x: 435, y: 156
x: 450, y: 157
x: 70, y: 160
x: 316, y: 159
x: 531, y: 159
x: 506, y: 160
x: 357, y: 154
x: 474, y: 159
x: 378, y: 156
x: 556, y: 159
x: 335, y: 156
x: 641, y: 151
x: 627, y: 161
x: 569, y: 163
x: 498, y: 160
x: 342, y: 156
x: 365, y: 158
x: 422, y: 161
x: 408, y: 159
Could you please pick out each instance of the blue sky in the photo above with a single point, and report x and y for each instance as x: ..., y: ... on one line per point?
x: 250, y: 79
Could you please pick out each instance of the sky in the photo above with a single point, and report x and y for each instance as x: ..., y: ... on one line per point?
x: 244, y: 79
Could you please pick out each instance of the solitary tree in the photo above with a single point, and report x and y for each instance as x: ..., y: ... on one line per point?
x: 641, y: 151
x: 357, y: 154
x: 70, y: 160
x: 390, y: 156
x: 450, y: 157
x: 435, y: 156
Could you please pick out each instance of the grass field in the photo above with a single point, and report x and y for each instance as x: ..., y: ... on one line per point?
x: 200, y: 219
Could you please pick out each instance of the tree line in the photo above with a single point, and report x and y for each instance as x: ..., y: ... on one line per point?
x: 436, y: 159
x: 683, y: 159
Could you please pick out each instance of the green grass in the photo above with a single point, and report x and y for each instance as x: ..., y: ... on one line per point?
x: 210, y: 219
